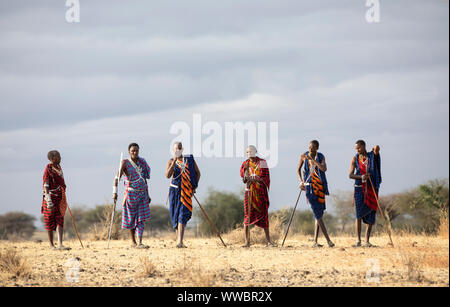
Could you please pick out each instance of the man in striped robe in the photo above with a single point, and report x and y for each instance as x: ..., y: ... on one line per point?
x: 365, y: 169
x: 315, y: 185
x: 136, y: 202
x: 255, y: 174
x: 185, y: 176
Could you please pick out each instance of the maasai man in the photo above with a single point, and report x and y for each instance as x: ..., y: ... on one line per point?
x: 185, y: 176
x: 54, y: 202
x: 368, y: 170
x: 255, y: 175
x: 315, y: 186
x: 136, y: 201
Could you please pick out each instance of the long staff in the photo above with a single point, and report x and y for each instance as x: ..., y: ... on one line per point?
x: 211, y: 223
x: 115, y: 201
x: 382, y: 214
x: 292, y: 217
x: 74, y: 226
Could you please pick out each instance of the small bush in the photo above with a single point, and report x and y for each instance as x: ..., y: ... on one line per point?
x: 14, y: 265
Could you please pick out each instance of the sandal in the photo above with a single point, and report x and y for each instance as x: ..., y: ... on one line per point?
x: 331, y: 244
x: 317, y: 245
x: 358, y: 244
x: 142, y: 246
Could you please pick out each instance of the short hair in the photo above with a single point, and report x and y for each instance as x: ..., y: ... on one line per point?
x: 51, y: 154
x: 360, y: 143
x: 315, y: 143
x: 177, y: 144
x: 133, y: 145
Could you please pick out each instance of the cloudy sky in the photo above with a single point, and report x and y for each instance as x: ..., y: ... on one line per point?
x: 129, y: 70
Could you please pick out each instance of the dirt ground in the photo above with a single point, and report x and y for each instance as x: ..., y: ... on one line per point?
x: 415, y: 261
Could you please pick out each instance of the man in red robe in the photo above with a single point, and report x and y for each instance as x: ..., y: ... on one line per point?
x: 255, y: 174
x: 54, y: 202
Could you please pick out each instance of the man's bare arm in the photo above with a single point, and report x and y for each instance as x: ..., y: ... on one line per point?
x: 322, y: 166
x: 299, y: 169
x: 197, y: 171
x: 170, y: 168
x: 352, y: 174
x: 376, y: 150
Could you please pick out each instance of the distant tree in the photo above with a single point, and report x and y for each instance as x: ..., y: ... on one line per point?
x: 421, y: 208
x: 434, y: 194
x: 283, y: 214
x: 16, y: 224
x: 78, y: 214
x: 160, y: 218
x: 345, y: 208
x: 89, y: 220
x: 303, y: 222
x: 224, y: 209
x: 387, y: 204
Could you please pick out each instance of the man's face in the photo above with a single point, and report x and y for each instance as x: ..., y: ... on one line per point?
x: 178, y: 150
x: 134, y: 152
x: 312, y: 148
x: 56, y: 159
x: 360, y: 149
x: 251, y: 152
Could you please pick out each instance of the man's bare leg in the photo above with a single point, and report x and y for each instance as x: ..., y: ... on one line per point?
x: 358, y: 232
x: 133, y: 236
x: 269, y: 241
x: 368, y: 232
x: 316, y: 231
x: 316, y: 234
x: 247, y: 236
x: 60, y: 231
x: 325, y: 232
x: 180, y: 233
x: 50, y: 238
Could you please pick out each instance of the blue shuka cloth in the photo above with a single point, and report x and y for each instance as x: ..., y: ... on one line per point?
x: 178, y: 212
x: 316, y: 207
x: 362, y: 210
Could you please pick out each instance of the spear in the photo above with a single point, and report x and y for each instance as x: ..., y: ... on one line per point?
x: 211, y: 223
x: 381, y: 212
x: 115, y: 201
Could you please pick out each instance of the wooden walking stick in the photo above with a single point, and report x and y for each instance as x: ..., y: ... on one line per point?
x: 65, y: 205
x: 292, y: 217
x: 74, y: 226
x: 381, y: 212
x: 211, y: 223
x: 115, y: 201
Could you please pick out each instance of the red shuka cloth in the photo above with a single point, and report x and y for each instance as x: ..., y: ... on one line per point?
x: 369, y: 195
x: 259, y: 215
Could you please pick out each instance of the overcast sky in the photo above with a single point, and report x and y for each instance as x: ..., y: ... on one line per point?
x: 131, y: 69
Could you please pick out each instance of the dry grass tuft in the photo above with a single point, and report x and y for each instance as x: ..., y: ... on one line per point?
x: 202, y: 278
x: 148, y: 268
x: 99, y: 232
x: 13, y: 265
x: 414, y: 265
x: 436, y: 261
x: 443, y: 227
x: 197, y: 276
x: 257, y: 235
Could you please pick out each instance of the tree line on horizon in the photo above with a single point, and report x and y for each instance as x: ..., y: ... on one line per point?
x: 418, y: 210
